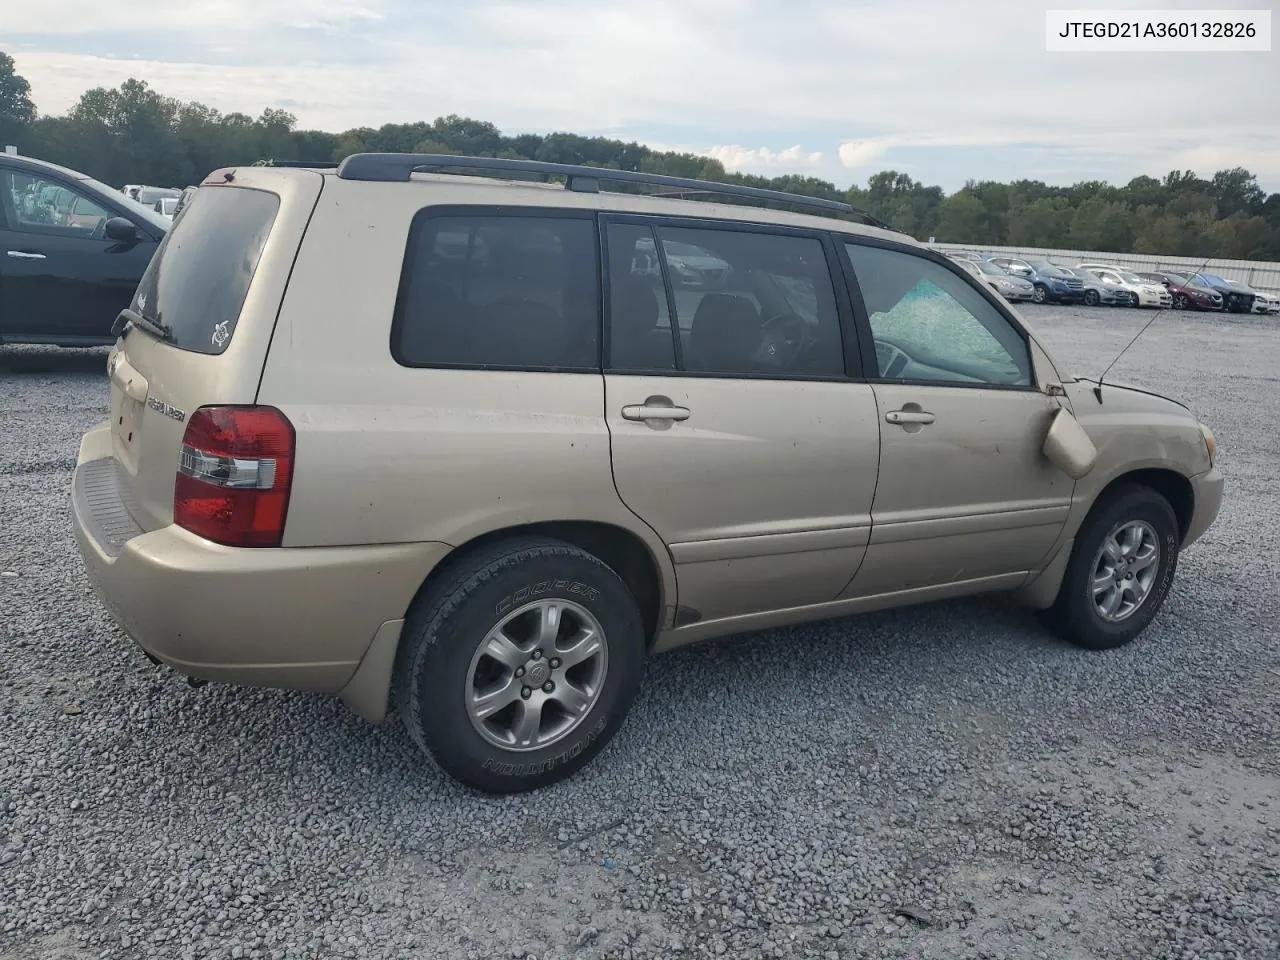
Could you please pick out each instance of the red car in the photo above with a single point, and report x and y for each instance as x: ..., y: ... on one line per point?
x: 1186, y: 295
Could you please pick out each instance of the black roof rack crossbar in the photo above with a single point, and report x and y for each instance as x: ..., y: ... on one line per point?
x: 581, y: 179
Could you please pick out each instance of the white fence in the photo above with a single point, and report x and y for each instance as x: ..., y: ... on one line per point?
x: 1256, y: 273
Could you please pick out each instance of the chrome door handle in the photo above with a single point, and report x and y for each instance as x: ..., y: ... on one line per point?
x: 909, y: 416
x: 26, y: 255
x: 654, y: 411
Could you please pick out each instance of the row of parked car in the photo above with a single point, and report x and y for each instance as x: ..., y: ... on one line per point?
x: 1042, y: 281
x: 161, y: 200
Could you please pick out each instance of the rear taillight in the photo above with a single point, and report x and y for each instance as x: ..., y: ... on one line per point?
x: 234, y: 475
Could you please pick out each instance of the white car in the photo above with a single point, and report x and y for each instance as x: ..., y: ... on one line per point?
x: 1145, y: 293
x: 1266, y: 302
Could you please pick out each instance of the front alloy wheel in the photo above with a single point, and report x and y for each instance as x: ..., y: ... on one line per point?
x: 1124, y: 570
x: 1121, y: 567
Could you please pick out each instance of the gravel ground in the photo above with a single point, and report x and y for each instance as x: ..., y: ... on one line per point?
x: 941, y: 782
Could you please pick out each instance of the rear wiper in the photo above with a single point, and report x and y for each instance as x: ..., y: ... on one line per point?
x: 131, y: 318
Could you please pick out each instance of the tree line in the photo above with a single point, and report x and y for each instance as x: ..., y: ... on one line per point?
x: 135, y: 134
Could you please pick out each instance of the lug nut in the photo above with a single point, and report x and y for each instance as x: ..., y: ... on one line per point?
x: 519, y: 671
x: 537, y: 654
x: 555, y: 663
x: 548, y: 687
x: 526, y: 692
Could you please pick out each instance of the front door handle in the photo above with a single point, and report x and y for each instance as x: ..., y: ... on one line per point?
x: 909, y: 416
x: 26, y: 255
x: 655, y: 409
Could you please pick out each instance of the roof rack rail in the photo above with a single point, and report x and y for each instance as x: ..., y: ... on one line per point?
x: 581, y: 179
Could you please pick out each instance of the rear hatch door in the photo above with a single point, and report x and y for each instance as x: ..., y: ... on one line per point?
x: 202, y: 319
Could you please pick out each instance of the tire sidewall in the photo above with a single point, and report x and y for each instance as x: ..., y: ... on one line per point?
x: 441, y: 665
x: 1090, y: 629
x: 1040, y: 294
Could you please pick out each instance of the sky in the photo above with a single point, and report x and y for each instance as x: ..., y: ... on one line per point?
x: 943, y: 90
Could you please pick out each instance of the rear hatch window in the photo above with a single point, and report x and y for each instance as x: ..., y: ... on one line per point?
x: 197, y: 281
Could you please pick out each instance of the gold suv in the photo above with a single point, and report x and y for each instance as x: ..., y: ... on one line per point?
x: 471, y: 447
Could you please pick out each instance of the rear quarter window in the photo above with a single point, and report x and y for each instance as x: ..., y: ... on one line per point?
x: 198, y: 279
x: 499, y: 291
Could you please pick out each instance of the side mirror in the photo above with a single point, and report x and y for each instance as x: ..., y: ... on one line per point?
x: 121, y: 230
x: 1068, y: 447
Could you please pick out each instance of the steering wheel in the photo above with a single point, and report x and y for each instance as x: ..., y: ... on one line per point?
x: 787, y: 336
x: 890, y: 358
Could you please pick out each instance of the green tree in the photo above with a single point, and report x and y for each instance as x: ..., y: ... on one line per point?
x: 962, y: 219
x: 17, y: 112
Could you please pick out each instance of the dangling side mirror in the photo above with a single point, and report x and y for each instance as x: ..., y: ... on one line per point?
x: 1068, y: 447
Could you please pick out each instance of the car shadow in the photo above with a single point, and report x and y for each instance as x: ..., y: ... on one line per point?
x: 33, y: 360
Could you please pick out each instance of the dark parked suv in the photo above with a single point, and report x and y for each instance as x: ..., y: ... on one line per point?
x: 72, y: 251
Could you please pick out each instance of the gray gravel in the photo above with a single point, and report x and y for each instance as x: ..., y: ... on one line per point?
x: 943, y: 782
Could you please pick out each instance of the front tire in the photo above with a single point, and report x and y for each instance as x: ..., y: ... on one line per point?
x: 1120, y: 571
x: 520, y: 665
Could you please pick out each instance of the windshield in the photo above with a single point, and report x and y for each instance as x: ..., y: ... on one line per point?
x: 1131, y: 278
x: 992, y: 270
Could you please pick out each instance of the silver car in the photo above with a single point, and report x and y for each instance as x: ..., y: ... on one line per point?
x: 1000, y: 280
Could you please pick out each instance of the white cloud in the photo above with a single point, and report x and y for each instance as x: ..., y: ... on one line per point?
x: 929, y: 87
x: 735, y: 157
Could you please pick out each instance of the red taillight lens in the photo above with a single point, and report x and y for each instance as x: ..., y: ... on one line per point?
x: 234, y: 475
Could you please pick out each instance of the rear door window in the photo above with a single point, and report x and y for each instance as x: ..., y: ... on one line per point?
x: 197, y: 281
x: 511, y: 292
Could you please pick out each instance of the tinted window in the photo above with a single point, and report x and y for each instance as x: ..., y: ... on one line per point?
x: 38, y: 205
x: 503, y: 291
x: 746, y: 304
x: 929, y: 324
x: 640, y: 335
x: 197, y: 281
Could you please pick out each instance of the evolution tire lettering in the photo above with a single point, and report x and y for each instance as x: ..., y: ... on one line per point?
x: 544, y: 766
x: 542, y: 588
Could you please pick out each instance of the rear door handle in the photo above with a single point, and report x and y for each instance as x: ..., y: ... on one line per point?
x: 909, y: 416
x: 649, y: 410
x: 26, y: 255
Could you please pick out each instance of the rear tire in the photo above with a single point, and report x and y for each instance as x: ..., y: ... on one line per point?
x: 1091, y: 298
x: 1125, y: 557
x: 1179, y: 301
x: 484, y: 679
x: 1040, y: 294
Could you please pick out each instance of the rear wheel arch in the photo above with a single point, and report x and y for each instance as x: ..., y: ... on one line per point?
x: 618, y: 548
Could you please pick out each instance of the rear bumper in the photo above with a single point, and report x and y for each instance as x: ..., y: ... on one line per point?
x: 1207, y: 491
x: 297, y: 618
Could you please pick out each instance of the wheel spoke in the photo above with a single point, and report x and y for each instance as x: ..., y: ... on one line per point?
x: 528, y: 722
x: 586, y: 645
x: 1142, y: 562
x: 501, y: 648
x: 1111, y: 601
x: 548, y: 625
x: 575, y: 701
x: 487, y: 704
x: 1103, y: 583
x: 1112, y: 550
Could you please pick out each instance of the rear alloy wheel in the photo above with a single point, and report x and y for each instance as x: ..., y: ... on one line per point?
x: 1180, y: 301
x: 520, y: 664
x: 1040, y: 293
x: 1091, y: 298
x: 1120, y: 570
